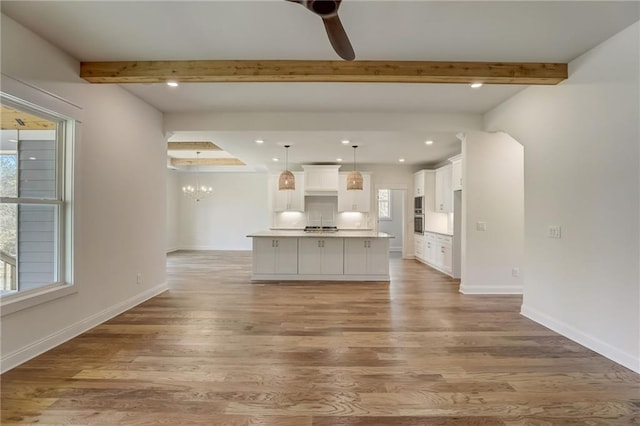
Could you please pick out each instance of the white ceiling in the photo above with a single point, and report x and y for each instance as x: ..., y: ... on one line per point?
x: 553, y: 31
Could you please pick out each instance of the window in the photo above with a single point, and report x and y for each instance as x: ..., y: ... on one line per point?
x: 384, y: 204
x: 35, y: 164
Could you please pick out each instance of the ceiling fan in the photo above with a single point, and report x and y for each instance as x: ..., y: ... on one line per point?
x: 328, y: 11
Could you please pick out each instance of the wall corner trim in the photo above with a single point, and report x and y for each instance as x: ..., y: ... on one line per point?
x: 34, y: 349
x: 614, y: 354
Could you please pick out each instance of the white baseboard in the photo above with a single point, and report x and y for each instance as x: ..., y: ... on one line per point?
x: 212, y: 248
x: 395, y: 248
x: 489, y: 289
x: 34, y: 349
x: 172, y: 249
x: 623, y: 358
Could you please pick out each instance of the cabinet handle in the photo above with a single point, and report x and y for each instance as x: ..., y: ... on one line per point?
x: 322, y: 243
x: 276, y: 243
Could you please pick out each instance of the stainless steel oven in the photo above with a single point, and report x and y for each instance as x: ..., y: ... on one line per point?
x: 418, y: 206
x: 418, y: 224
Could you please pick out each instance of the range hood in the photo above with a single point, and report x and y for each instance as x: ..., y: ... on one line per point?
x: 321, y: 180
x: 320, y: 193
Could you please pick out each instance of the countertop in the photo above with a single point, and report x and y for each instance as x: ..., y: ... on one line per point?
x: 338, y: 234
x: 439, y: 233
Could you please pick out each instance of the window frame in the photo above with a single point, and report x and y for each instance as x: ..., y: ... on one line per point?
x: 388, y: 202
x: 43, y: 104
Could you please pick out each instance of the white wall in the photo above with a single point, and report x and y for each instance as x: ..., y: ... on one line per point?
x: 493, y: 193
x: 581, y: 142
x: 174, y: 191
x: 238, y: 206
x: 119, y: 205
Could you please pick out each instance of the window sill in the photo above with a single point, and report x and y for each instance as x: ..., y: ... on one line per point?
x: 10, y: 304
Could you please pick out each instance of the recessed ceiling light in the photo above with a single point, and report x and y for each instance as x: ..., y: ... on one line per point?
x: 259, y: 141
x: 429, y: 142
x: 346, y: 142
x: 401, y: 160
x: 476, y: 85
x: 275, y: 159
x: 172, y: 84
x: 339, y: 160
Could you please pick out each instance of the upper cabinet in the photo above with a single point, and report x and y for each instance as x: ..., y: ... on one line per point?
x: 287, y: 200
x: 320, y: 178
x: 444, y: 191
x: 354, y: 200
x: 418, y: 184
x: 456, y: 172
x: 424, y: 186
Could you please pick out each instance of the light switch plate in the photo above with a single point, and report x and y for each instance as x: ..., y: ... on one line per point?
x: 554, y: 231
x: 481, y: 226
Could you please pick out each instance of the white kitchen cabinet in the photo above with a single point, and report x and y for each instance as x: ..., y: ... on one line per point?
x: 418, y: 246
x: 443, y: 254
x: 320, y: 178
x: 456, y: 172
x: 443, y: 190
x: 354, y: 200
x: 418, y: 183
x: 366, y: 256
x: 320, y: 256
x: 275, y: 255
x: 437, y: 251
x: 430, y: 243
x: 287, y: 200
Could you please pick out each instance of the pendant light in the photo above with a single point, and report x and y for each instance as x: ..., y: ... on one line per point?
x: 354, y: 178
x: 197, y: 192
x: 287, y: 180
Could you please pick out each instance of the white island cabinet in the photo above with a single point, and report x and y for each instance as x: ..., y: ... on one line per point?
x: 281, y: 255
x: 275, y: 256
x: 366, y: 256
x: 320, y: 256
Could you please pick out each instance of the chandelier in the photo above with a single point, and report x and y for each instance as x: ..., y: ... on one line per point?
x: 197, y: 192
x: 354, y: 178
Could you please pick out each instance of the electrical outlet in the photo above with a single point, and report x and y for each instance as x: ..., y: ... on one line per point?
x: 139, y: 278
x: 515, y: 272
x: 554, y: 231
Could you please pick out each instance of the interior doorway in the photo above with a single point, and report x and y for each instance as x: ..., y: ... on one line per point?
x: 391, y: 216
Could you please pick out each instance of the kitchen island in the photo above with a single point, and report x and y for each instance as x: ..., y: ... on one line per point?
x: 291, y: 255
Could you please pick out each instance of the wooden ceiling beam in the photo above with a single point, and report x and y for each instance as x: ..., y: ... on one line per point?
x: 193, y: 146
x: 206, y: 162
x: 11, y: 119
x: 324, y: 71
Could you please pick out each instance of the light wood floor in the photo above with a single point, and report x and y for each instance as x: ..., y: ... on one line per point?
x: 219, y: 350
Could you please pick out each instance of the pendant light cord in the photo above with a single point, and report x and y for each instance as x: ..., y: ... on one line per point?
x: 286, y: 158
x: 355, y: 165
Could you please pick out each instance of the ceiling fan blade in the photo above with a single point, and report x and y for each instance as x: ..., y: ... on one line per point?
x: 338, y: 37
